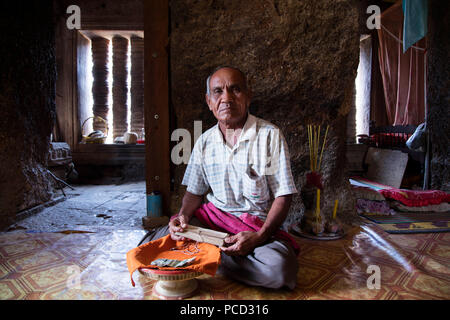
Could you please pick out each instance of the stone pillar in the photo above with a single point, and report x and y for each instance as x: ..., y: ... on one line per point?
x: 100, y: 84
x: 120, y: 86
x: 363, y: 82
x: 137, y: 84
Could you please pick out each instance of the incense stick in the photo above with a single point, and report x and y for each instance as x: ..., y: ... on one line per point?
x: 315, y: 147
x: 310, y: 147
x: 323, y: 147
x: 335, y: 208
x: 318, y: 205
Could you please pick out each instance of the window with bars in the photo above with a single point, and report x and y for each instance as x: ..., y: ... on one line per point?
x: 114, y: 90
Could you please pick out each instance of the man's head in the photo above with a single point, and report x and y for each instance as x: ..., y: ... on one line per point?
x: 228, y: 95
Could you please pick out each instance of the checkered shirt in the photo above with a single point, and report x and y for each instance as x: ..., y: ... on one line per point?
x: 245, y: 177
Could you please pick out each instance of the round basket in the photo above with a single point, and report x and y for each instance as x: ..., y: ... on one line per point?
x: 97, y: 140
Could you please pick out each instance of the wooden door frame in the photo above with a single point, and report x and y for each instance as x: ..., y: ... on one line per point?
x: 156, y: 99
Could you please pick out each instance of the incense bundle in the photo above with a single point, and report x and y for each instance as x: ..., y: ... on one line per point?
x: 315, y: 161
x: 314, y: 146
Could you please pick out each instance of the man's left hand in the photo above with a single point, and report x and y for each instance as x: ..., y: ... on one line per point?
x: 242, y: 243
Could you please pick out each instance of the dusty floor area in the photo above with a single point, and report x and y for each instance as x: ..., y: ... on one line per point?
x: 92, y: 206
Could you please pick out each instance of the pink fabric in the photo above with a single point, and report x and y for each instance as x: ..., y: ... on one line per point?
x: 416, y: 198
x: 402, y: 73
x: 410, y: 198
x: 219, y: 220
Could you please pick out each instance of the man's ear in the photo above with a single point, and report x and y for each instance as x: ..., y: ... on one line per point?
x: 208, y: 100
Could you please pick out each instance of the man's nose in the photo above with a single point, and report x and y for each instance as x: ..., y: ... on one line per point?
x: 227, y: 95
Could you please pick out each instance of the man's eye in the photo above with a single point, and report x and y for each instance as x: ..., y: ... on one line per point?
x: 237, y: 89
x: 217, y: 91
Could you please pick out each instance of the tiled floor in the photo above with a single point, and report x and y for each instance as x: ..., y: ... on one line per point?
x: 92, y: 265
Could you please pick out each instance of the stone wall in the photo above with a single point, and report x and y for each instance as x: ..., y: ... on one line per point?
x: 27, y: 104
x: 301, y: 58
x: 438, y: 92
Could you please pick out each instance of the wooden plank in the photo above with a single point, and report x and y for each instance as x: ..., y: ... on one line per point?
x: 64, y: 84
x: 203, y: 235
x: 83, y: 88
x: 156, y: 99
x: 108, y: 154
x: 73, y: 108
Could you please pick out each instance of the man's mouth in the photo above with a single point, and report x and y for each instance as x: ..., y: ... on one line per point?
x: 224, y: 107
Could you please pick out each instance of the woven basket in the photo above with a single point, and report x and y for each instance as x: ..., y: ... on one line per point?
x: 96, y: 140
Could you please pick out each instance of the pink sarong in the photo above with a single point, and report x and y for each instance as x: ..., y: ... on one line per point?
x: 219, y: 220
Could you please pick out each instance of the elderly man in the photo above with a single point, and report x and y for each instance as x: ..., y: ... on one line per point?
x: 242, y: 165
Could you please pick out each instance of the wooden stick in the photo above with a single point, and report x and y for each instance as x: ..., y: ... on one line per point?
x: 59, y: 180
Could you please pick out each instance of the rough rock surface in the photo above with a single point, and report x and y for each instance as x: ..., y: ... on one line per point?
x: 301, y: 59
x: 27, y: 104
x: 438, y: 87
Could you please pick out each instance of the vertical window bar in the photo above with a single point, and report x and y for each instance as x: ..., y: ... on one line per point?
x: 137, y: 84
x: 100, y: 88
x: 120, y: 86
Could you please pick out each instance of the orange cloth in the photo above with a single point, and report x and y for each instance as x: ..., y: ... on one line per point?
x: 207, y: 260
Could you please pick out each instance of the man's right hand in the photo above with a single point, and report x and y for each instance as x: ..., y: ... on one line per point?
x: 177, y: 225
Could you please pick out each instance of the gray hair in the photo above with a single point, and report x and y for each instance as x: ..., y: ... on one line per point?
x: 208, y: 91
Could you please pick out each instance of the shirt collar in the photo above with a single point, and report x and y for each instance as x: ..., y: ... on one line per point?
x: 248, y: 131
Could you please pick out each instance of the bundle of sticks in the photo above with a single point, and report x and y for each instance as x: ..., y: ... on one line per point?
x: 314, y: 137
x: 314, y: 146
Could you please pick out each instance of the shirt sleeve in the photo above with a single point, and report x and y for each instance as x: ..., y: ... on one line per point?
x: 278, y: 170
x: 194, y: 176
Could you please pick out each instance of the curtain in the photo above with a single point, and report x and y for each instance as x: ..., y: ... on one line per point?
x: 402, y: 73
x: 377, y: 102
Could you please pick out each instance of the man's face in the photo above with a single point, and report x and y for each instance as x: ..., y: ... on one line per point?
x: 229, y: 97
